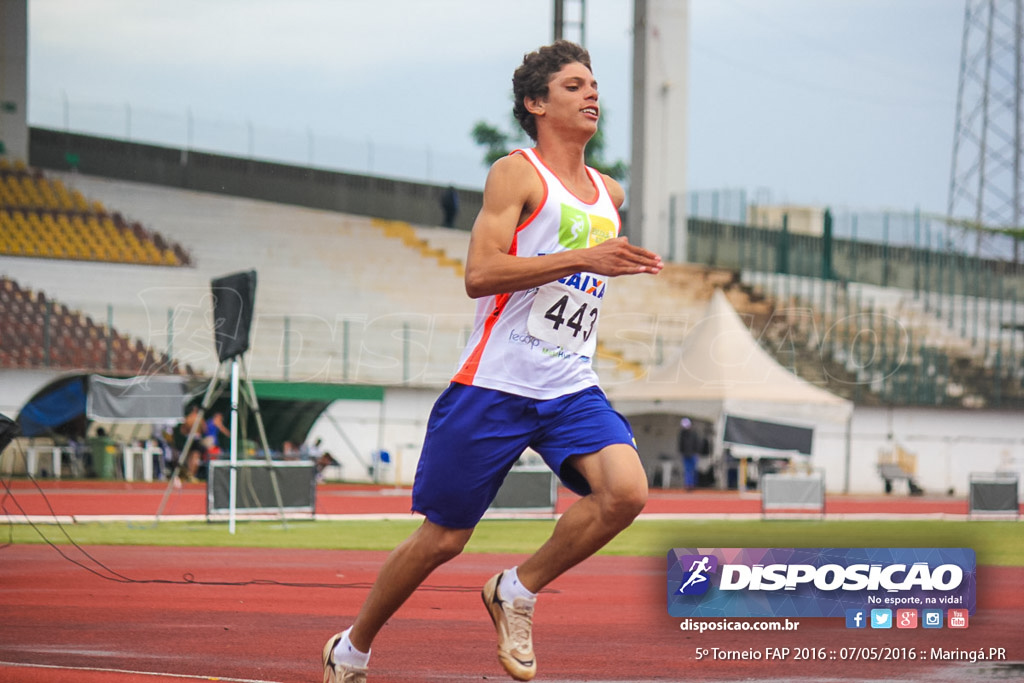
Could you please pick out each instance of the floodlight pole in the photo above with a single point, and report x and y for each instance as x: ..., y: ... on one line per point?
x: 255, y: 405
x: 233, y: 486
x: 253, y: 402
x: 213, y: 391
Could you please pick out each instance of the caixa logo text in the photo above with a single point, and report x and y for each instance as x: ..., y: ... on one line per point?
x: 832, y: 577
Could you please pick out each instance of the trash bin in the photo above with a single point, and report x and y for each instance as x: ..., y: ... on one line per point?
x: 381, y: 465
x: 104, y: 456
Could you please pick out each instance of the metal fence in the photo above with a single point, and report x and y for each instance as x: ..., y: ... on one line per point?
x: 929, y: 232
x: 897, y: 324
x: 245, y: 138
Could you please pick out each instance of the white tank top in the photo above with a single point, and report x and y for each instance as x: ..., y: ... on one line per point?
x: 539, y: 343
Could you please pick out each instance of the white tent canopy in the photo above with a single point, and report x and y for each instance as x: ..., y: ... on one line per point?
x: 720, y: 373
x: 721, y: 370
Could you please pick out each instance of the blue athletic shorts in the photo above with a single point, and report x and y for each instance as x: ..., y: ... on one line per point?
x: 475, y: 435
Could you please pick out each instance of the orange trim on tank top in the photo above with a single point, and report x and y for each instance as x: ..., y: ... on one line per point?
x: 467, y: 372
x: 590, y: 177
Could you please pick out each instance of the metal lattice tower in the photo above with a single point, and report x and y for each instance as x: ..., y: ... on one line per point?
x: 579, y: 22
x: 986, y: 182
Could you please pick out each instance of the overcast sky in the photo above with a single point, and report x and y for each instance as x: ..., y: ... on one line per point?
x: 841, y: 102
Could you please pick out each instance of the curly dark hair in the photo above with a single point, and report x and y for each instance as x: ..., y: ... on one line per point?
x: 532, y: 76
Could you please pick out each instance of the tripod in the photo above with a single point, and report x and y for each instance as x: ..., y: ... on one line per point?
x: 232, y: 367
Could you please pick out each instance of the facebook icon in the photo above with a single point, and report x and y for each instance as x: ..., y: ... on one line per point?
x: 856, y: 618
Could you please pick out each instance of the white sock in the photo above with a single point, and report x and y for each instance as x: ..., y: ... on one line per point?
x: 346, y: 653
x: 511, y: 588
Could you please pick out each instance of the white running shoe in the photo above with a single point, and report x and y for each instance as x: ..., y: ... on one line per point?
x: 336, y: 672
x: 514, y: 624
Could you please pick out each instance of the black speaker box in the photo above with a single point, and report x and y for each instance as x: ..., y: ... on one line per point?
x: 234, y: 297
x: 8, y: 430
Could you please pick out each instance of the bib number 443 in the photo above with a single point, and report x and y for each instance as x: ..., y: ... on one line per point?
x: 581, y: 320
x: 565, y: 317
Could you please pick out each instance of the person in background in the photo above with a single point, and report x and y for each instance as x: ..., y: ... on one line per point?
x: 197, y: 451
x: 312, y: 450
x: 215, y: 429
x: 450, y: 206
x: 163, y: 435
x: 689, y: 449
x: 289, y: 451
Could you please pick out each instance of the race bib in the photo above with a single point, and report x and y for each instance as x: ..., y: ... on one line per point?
x: 567, y: 317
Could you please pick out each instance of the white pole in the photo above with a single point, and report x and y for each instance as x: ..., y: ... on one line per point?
x: 719, y: 466
x: 849, y: 453
x: 234, y: 446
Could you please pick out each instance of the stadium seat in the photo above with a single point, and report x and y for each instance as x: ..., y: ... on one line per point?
x: 36, y: 331
x: 42, y: 217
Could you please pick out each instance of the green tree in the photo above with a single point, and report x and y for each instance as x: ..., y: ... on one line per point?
x: 497, y: 143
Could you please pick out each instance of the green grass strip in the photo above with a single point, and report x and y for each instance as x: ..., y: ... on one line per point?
x: 996, y: 543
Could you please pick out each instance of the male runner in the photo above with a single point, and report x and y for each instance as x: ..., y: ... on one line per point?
x: 541, y: 252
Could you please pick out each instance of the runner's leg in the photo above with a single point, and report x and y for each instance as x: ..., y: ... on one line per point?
x: 618, y: 493
x: 408, y: 565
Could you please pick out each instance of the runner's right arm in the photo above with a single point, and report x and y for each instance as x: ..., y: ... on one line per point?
x: 512, y: 191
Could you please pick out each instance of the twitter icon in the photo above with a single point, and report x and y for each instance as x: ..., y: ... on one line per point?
x: 881, y: 618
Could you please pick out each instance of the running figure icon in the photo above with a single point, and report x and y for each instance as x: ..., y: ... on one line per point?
x: 697, y: 571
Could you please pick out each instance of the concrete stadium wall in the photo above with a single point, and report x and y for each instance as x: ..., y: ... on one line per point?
x: 948, y: 444
x: 13, y: 79
x: 188, y: 169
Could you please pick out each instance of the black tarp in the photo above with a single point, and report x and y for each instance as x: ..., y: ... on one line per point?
x: 773, y: 435
x: 289, y: 409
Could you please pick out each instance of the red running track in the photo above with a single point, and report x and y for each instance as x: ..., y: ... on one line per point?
x: 603, y: 621
x: 130, y: 614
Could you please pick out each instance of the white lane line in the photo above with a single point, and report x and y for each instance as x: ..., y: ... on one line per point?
x: 154, y: 674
